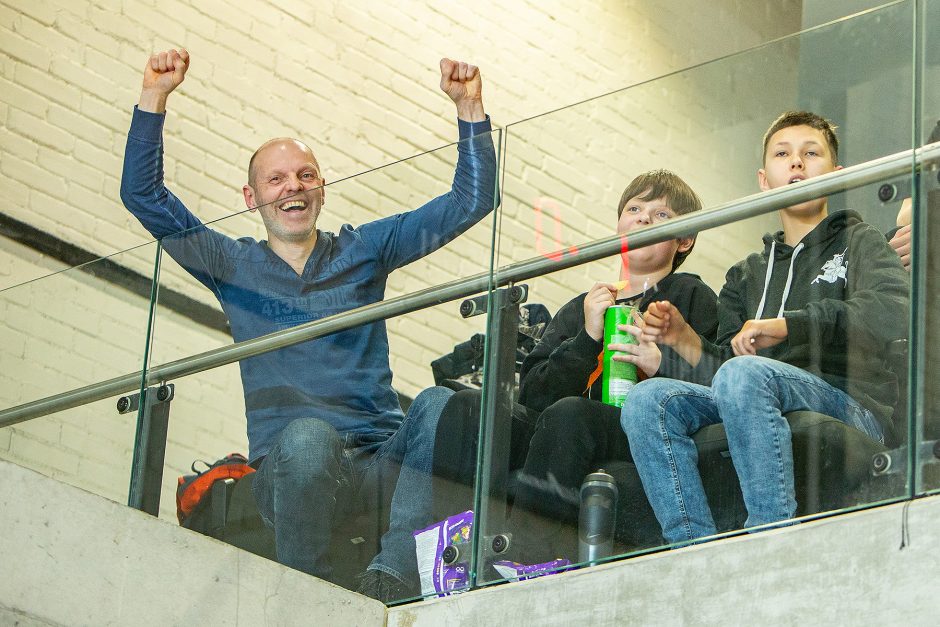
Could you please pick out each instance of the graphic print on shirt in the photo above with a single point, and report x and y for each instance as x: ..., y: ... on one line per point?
x: 834, y: 269
x: 289, y: 311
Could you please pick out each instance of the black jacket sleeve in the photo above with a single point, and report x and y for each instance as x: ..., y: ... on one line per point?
x: 562, y: 361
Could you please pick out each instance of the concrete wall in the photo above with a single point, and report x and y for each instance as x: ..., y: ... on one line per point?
x: 358, y: 80
x: 875, y: 567
x: 73, y: 558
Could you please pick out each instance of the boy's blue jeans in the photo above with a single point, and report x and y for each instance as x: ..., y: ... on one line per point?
x: 749, y: 395
x: 298, y: 482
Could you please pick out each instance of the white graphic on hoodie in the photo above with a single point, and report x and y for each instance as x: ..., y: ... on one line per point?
x: 834, y: 269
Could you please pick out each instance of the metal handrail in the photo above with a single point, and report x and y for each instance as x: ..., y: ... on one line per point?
x: 848, y: 178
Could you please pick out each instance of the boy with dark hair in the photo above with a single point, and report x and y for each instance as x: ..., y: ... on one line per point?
x: 804, y: 118
x: 803, y: 326
x: 576, y: 432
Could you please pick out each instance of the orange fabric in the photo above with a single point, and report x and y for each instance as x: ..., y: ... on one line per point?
x: 597, y: 371
x: 640, y: 375
x: 190, y: 489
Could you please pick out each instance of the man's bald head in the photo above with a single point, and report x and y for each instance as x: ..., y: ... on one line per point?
x: 273, y: 144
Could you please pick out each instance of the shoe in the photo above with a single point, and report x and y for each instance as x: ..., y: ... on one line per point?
x: 384, y: 587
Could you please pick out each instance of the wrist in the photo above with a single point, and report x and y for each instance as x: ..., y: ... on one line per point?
x: 152, y: 100
x: 584, y: 343
x: 471, y: 110
x: 689, y: 336
x: 594, y: 326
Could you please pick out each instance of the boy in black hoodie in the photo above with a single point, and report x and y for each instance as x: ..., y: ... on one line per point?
x: 576, y: 432
x: 802, y: 326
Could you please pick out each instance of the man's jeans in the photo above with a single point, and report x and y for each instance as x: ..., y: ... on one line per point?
x: 749, y: 395
x: 296, y: 486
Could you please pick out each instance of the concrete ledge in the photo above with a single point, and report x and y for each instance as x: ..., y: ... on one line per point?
x: 68, y: 557
x: 843, y: 570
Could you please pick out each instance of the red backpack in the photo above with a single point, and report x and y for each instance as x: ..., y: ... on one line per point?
x: 192, y: 489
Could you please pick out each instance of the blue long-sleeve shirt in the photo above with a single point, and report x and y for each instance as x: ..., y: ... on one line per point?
x: 343, y: 378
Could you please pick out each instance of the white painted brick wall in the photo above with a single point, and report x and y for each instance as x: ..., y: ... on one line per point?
x: 358, y: 81
x: 70, y: 330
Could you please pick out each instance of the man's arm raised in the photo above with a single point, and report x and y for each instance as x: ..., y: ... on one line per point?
x: 163, y: 73
x: 202, y: 252
x: 405, y: 237
x: 463, y: 84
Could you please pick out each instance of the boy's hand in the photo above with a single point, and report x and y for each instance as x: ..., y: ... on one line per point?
x: 462, y: 82
x: 756, y: 335
x: 645, y: 355
x: 163, y: 73
x: 664, y: 324
x: 599, y: 298
x: 901, y: 243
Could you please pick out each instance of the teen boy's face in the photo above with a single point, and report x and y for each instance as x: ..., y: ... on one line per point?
x: 638, y: 213
x: 794, y: 154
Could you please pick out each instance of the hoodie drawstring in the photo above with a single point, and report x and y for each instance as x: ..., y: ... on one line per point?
x: 786, y: 288
x: 770, y: 271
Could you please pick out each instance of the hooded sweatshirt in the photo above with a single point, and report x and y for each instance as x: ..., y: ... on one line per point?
x: 844, y: 295
x: 561, y: 363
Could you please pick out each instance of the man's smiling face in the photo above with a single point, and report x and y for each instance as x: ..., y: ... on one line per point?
x: 286, y: 187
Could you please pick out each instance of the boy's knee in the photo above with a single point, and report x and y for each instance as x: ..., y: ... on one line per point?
x: 564, y: 414
x: 645, y: 405
x: 740, y: 372
x: 639, y: 410
x: 631, y: 420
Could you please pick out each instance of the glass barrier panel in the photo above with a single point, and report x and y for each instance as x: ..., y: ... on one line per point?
x: 380, y: 235
x: 574, y: 175
x: 925, y: 258
x: 76, y: 327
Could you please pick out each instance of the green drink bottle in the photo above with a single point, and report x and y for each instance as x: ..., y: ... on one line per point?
x: 618, y: 377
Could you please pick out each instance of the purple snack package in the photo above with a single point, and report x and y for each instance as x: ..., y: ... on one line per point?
x: 518, y: 572
x: 436, y: 576
x: 443, y: 579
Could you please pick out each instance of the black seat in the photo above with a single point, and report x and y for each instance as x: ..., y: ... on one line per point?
x: 832, y: 468
x: 831, y: 462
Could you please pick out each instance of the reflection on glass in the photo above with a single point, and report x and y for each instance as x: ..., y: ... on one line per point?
x: 800, y: 387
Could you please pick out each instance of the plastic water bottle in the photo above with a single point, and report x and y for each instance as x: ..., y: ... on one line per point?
x: 597, y: 517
